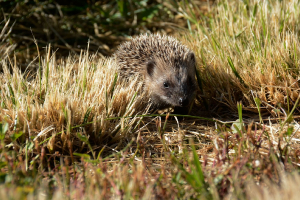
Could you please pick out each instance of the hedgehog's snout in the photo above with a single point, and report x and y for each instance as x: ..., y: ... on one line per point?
x: 183, y: 101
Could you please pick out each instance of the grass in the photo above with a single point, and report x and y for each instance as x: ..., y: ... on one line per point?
x: 5, y: 47
x: 248, y: 51
x: 73, y: 129
x: 69, y: 27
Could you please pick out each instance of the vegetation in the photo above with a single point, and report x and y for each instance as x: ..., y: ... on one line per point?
x: 73, y: 129
x: 70, y: 27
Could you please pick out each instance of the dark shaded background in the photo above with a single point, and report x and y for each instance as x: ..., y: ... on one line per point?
x: 69, y: 25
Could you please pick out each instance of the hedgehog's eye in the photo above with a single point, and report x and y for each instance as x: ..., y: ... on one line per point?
x: 166, y: 85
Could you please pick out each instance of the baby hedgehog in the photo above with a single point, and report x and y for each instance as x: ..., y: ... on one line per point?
x: 166, y: 66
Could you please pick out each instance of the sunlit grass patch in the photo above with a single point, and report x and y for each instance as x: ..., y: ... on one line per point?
x: 247, y: 50
x: 68, y: 101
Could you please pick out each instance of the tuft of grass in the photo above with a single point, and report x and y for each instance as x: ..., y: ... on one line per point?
x: 6, y: 48
x: 246, y: 49
x: 71, y: 99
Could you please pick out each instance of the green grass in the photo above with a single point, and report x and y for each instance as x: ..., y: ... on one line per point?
x: 73, y: 129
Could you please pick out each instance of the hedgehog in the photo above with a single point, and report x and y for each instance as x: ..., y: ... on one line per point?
x: 166, y: 67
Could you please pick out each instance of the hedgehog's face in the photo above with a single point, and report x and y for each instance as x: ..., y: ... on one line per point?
x: 171, y: 85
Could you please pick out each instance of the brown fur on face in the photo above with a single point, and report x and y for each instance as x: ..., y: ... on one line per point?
x: 166, y: 66
x: 171, y: 84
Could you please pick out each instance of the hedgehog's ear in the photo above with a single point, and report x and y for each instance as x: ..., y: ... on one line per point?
x: 191, y: 57
x: 150, y: 67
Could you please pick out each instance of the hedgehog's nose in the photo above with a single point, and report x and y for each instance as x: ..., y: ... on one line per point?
x: 183, y: 101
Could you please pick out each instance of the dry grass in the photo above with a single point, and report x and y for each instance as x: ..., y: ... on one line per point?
x: 5, y: 48
x: 72, y: 129
x: 247, y: 51
x: 64, y: 102
x: 288, y: 189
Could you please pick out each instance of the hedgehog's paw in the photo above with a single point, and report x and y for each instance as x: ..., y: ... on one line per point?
x: 166, y: 110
